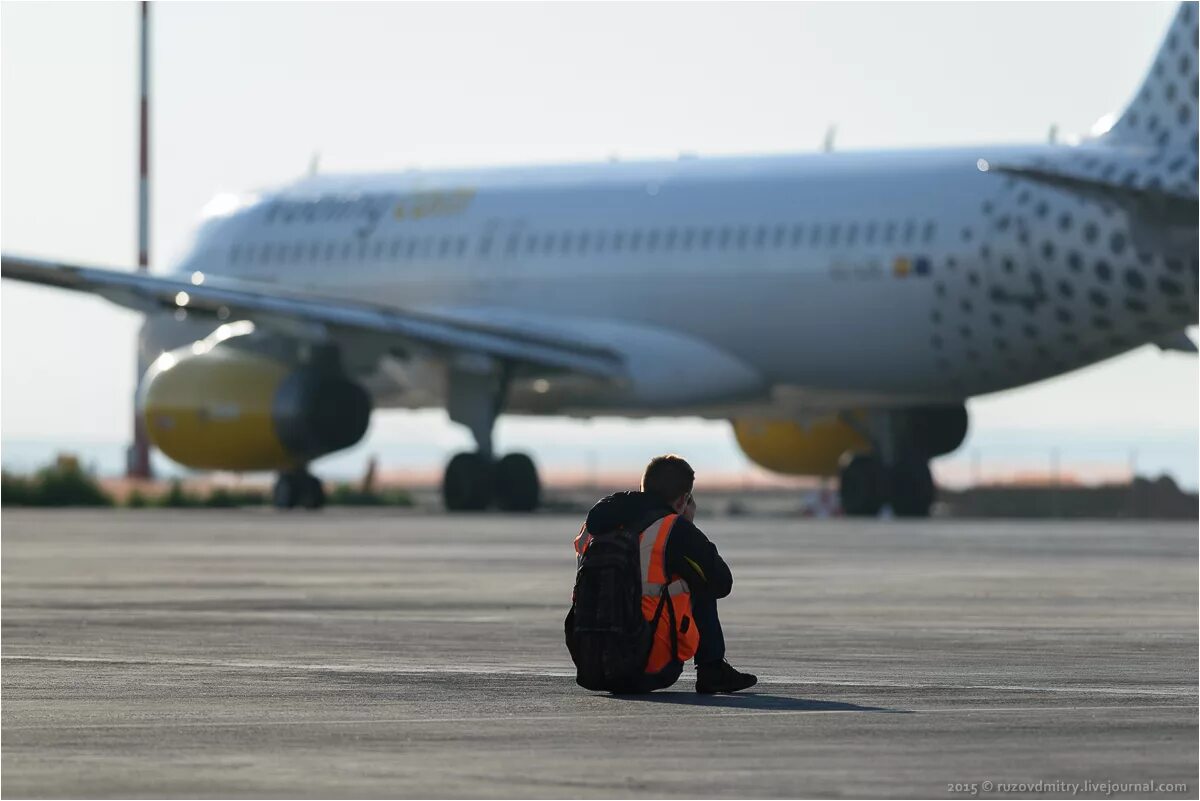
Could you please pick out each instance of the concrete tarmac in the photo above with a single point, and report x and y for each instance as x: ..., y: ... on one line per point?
x: 376, y: 653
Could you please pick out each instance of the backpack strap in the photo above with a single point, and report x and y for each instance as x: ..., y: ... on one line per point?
x: 664, y: 601
x: 654, y: 577
x: 666, y: 594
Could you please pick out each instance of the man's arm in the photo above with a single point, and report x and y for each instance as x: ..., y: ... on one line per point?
x: 692, y: 557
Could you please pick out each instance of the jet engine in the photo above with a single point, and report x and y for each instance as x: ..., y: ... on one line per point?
x: 788, y: 447
x: 219, y: 405
x: 817, y: 449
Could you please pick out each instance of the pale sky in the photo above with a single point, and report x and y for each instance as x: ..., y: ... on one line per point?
x: 245, y: 93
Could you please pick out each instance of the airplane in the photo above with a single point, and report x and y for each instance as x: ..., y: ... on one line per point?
x: 839, y: 308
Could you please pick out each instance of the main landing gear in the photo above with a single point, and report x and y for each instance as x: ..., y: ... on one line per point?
x: 473, y: 481
x: 298, y: 488
x: 867, y: 484
x: 895, y: 472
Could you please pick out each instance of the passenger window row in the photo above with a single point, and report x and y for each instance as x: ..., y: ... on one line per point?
x: 423, y: 247
x: 722, y: 237
x: 579, y: 243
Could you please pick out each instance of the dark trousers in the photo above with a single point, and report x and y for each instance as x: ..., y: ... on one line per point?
x: 712, y: 639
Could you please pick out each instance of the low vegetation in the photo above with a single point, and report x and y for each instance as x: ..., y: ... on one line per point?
x: 350, y: 495
x: 66, y: 483
x: 178, y: 496
x: 63, y: 483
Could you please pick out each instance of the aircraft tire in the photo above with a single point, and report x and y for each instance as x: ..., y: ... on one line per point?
x: 862, y: 485
x: 911, y: 487
x: 467, y: 484
x: 312, y: 493
x: 298, y: 489
x: 284, y: 495
x: 517, y: 487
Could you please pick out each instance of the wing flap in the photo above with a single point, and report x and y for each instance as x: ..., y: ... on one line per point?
x: 301, y: 314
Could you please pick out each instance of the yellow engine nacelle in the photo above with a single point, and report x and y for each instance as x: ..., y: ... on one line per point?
x: 787, y: 447
x: 214, y: 406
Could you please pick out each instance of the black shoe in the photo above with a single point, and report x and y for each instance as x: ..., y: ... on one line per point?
x: 720, y: 677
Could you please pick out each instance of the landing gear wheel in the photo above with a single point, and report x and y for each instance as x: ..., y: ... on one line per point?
x: 862, y: 486
x: 299, y: 488
x: 284, y: 495
x: 312, y: 493
x: 517, y: 487
x: 912, y: 489
x: 467, y: 485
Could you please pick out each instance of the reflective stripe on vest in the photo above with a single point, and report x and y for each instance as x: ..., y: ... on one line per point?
x: 682, y: 642
x: 654, y: 558
x: 676, y: 587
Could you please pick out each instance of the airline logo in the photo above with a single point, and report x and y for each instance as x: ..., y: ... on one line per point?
x: 903, y: 266
x: 368, y: 209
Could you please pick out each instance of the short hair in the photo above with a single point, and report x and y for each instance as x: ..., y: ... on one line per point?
x: 667, y: 477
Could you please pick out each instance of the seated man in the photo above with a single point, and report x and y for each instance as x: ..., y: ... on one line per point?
x: 688, y: 555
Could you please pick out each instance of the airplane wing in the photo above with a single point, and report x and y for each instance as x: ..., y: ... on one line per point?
x: 311, y: 316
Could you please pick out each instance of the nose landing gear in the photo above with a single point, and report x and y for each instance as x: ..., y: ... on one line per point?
x: 517, y: 486
x: 467, y: 484
x: 473, y: 481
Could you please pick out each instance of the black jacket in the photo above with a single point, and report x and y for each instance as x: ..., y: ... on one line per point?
x: 689, y: 553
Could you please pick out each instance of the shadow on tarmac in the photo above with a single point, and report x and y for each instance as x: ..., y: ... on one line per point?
x: 760, y: 701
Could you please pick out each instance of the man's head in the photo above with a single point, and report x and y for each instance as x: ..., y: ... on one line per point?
x: 670, y: 479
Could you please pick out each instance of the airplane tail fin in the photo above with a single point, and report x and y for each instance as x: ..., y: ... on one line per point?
x: 1146, y: 162
x: 1150, y: 152
x: 1162, y: 117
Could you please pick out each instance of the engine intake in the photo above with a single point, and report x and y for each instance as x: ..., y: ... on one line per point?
x: 789, y: 448
x: 211, y: 405
x: 816, y: 449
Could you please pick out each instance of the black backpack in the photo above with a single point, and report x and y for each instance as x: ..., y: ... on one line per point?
x: 607, y: 635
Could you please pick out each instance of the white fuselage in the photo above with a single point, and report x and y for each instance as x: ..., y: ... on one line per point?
x: 881, y: 278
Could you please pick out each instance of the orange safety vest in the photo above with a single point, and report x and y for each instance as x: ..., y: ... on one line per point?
x: 654, y: 575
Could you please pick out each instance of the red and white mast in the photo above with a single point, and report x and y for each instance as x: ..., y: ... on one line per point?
x: 138, y: 459
x: 144, y: 155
